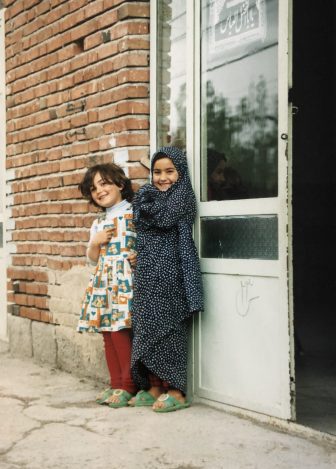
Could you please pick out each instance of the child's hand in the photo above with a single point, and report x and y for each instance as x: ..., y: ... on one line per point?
x: 102, y: 237
x: 132, y: 258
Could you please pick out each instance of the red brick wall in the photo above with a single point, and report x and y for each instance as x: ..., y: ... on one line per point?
x: 77, y: 90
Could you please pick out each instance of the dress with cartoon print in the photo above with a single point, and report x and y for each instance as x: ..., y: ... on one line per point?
x: 108, y: 298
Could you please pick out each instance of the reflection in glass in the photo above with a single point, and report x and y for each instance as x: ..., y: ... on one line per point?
x: 240, y: 237
x: 171, y: 73
x: 239, y: 99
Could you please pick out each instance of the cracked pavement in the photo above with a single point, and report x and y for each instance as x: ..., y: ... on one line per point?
x: 48, y: 419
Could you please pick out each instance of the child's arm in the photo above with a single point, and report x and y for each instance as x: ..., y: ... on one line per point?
x: 164, y: 210
x: 96, y: 240
x: 132, y: 258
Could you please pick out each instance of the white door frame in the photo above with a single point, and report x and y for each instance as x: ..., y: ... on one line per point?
x: 278, y: 205
x: 3, y: 258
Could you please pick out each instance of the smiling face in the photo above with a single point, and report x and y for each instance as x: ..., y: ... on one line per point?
x: 164, y: 174
x: 104, y: 193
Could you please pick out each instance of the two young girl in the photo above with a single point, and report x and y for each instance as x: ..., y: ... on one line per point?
x: 167, y: 288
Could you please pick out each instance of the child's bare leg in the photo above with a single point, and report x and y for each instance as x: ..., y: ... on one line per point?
x: 156, y: 388
x: 155, y: 391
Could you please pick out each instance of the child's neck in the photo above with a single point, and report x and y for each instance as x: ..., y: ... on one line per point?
x: 117, y: 206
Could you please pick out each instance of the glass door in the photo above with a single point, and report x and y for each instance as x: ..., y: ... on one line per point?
x: 243, y: 338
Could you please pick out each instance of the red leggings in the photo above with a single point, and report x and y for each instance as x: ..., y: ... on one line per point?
x: 118, y: 348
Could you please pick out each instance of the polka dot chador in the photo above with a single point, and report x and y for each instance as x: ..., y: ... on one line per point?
x: 167, y: 287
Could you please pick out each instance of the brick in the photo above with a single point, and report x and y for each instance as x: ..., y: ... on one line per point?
x: 67, y: 165
x: 30, y: 288
x: 10, y: 297
x: 41, y: 302
x: 59, y: 208
x: 17, y: 274
x: 20, y: 299
x: 30, y: 313
x: 128, y: 139
x: 41, y: 276
x: 108, y: 50
x: 107, y: 19
x: 138, y: 172
x: 83, y: 90
x: 16, y: 8
x: 132, y: 107
x: 54, y: 182
x: 94, y: 8
x: 135, y: 10
x: 57, y: 56
x: 94, y: 131
x: 136, y: 154
x: 72, y: 179
x: 124, y: 124
x: 133, y: 43
x: 129, y: 28
x: 46, y: 316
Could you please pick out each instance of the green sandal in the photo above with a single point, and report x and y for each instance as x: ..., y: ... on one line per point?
x: 170, y: 404
x: 104, y: 395
x: 123, y: 397
x: 143, y: 399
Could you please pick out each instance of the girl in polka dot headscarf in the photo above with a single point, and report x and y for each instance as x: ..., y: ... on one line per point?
x: 168, y: 287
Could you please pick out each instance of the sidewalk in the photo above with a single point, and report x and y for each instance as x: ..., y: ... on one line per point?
x: 48, y: 419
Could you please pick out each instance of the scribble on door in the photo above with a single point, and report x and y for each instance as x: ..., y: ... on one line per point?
x: 244, y: 297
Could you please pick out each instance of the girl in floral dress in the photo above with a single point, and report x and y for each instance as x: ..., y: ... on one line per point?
x: 107, y: 303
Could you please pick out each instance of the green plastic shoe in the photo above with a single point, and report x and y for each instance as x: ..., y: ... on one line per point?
x: 170, y: 404
x: 104, y: 395
x: 123, y: 398
x: 143, y: 399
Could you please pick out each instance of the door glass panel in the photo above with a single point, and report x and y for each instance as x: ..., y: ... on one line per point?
x: 237, y: 237
x: 171, y: 73
x: 239, y: 99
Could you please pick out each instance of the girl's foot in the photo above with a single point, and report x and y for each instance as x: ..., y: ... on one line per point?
x: 175, y: 393
x: 154, y: 391
x: 104, y: 395
x: 119, y: 398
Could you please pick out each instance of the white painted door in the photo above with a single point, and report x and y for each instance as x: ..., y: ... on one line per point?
x: 3, y: 294
x: 244, y: 335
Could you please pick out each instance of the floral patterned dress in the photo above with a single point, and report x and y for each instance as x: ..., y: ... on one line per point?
x: 108, y: 298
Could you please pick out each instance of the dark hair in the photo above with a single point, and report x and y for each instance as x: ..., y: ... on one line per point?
x: 214, y: 157
x: 111, y: 173
x: 158, y: 156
